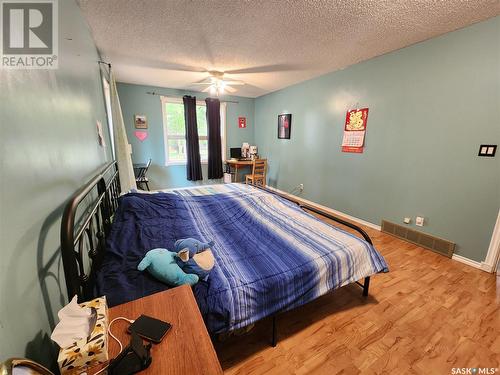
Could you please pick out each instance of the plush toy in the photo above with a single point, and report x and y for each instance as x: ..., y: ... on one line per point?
x: 195, y: 257
x: 162, y: 264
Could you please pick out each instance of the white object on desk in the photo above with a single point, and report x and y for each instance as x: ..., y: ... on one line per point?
x: 245, y: 150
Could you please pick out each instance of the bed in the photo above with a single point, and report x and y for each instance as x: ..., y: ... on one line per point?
x: 271, y: 255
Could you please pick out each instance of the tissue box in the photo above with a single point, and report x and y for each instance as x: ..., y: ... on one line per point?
x: 90, y: 351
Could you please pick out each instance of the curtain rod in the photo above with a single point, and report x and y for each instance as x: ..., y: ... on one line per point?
x: 105, y: 63
x: 222, y: 101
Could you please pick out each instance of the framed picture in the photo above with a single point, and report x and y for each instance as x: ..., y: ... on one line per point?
x: 284, y: 126
x: 140, y: 122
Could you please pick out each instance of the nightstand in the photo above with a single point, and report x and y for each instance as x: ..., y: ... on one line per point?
x: 186, y: 349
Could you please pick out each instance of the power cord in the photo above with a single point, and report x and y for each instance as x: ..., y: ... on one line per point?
x: 116, y: 339
x: 299, y: 187
x: 113, y: 336
x: 101, y: 370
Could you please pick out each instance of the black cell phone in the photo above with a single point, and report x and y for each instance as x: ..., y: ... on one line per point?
x: 150, y: 328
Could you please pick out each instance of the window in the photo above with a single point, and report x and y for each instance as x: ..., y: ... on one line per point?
x: 175, y: 132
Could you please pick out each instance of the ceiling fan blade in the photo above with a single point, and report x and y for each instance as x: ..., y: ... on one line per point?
x: 206, y: 89
x: 181, y: 68
x: 230, y: 89
x: 201, y: 83
x: 234, y: 83
x: 157, y: 64
x: 265, y: 69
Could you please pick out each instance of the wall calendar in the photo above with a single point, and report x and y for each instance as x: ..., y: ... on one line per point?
x: 354, y: 130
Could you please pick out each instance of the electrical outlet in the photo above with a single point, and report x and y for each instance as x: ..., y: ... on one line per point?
x: 419, y: 221
x: 301, y: 187
x: 407, y: 220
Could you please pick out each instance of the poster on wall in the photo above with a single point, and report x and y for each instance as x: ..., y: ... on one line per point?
x: 140, y: 122
x: 100, y: 134
x: 284, y: 126
x: 242, y: 122
x: 354, y: 130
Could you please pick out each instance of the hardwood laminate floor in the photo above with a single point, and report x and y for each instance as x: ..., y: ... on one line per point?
x: 428, y: 315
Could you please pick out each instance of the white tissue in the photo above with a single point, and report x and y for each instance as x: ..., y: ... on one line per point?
x: 74, y: 324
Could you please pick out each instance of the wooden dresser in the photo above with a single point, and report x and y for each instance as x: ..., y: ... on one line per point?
x: 186, y: 349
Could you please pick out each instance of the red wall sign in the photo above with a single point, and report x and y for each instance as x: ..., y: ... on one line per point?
x: 242, y: 122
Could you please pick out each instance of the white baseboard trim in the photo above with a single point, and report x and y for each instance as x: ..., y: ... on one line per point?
x: 467, y: 261
x: 459, y: 258
x: 490, y: 268
x: 327, y: 209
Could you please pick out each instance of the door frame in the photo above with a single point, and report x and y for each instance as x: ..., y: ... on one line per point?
x: 493, y: 255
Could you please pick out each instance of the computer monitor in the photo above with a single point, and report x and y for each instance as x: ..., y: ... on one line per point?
x: 235, y: 152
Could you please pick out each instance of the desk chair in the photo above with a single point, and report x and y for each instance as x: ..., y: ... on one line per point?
x: 141, y: 178
x: 258, y: 176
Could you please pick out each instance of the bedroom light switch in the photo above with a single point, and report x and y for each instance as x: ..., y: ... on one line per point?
x: 419, y: 221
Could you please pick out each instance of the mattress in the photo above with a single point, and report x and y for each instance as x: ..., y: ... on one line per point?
x: 270, y: 255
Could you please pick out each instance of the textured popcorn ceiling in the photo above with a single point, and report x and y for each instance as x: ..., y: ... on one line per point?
x: 268, y: 44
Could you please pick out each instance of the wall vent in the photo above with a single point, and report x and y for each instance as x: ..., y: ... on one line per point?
x: 433, y: 243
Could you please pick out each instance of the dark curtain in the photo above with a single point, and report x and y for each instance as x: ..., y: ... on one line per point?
x: 214, y: 139
x: 192, y: 143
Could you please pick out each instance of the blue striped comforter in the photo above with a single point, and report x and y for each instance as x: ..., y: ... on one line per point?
x: 270, y: 255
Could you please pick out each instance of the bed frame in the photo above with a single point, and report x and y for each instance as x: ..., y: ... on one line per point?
x: 86, y: 223
x: 366, y: 283
x: 83, y: 238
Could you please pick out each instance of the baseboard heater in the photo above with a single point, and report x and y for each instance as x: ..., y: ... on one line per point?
x: 433, y: 243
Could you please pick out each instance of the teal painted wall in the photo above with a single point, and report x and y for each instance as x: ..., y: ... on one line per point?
x: 431, y: 106
x: 134, y: 100
x: 48, y: 150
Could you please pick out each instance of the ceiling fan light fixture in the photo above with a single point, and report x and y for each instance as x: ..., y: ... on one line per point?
x: 222, y: 86
x: 217, y: 86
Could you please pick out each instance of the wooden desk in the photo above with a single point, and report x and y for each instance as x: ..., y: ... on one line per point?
x: 237, y: 164
x: 186, y: 349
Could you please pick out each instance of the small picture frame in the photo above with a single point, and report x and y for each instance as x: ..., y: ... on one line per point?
x: 140, y: 121
x: 284, y: 126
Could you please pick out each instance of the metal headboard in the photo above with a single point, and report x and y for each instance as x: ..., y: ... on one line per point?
x: 83, y: 243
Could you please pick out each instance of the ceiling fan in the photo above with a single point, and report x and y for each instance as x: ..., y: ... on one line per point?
x: 217, y: 84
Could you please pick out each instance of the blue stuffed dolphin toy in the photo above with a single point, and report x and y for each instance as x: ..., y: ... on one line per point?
x: 162, y: 264
x: 195, y: 257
